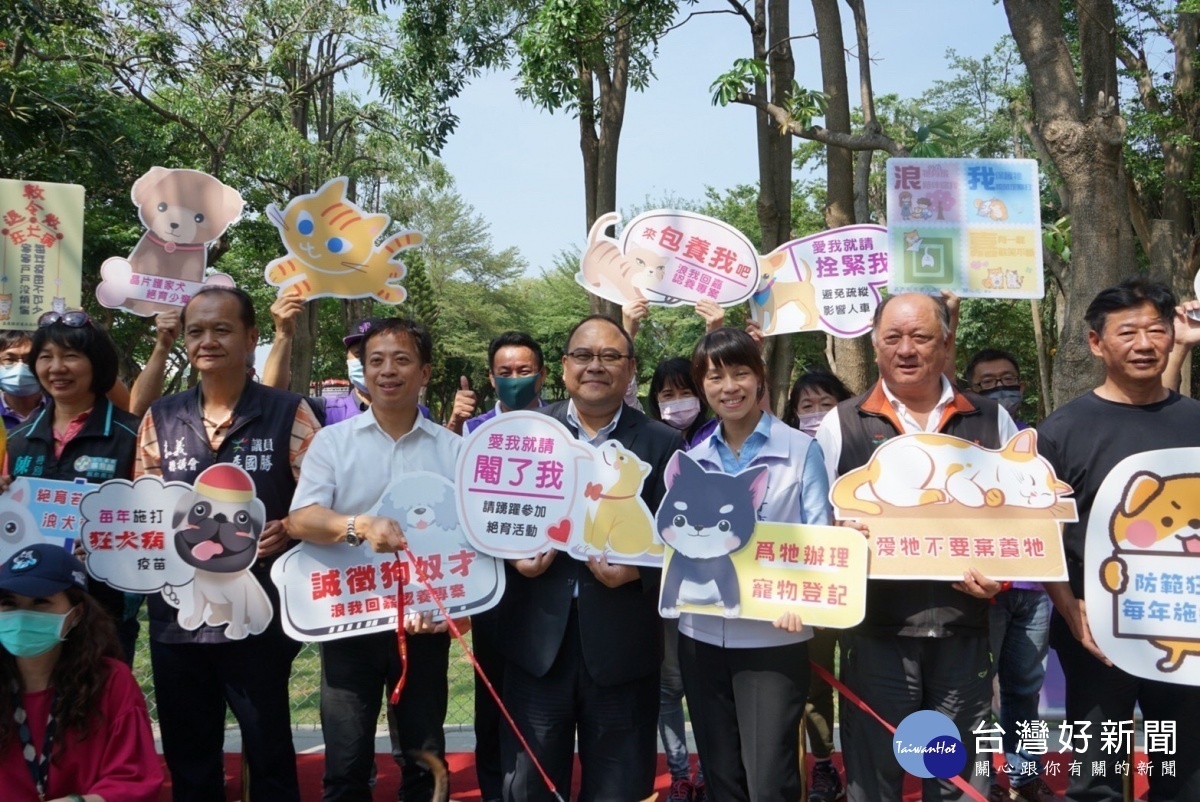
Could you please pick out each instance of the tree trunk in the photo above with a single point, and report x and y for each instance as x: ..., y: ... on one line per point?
x: 1083, y: 133
x: 770, y: 35
x: 852, y: 356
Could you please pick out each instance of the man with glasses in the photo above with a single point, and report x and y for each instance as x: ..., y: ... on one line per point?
x: 584, y: 640
x: 1019, y: 618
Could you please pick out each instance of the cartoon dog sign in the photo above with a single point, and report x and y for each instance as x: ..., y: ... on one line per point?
x: 722, y: 561
x: 335, y: 591
x: 1142, y: 565
x: 194, y: 543
x: 184, y: 211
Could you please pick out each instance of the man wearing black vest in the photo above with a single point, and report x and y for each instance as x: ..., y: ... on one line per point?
x: 226, y: 418
x: 923, y: 645
x: 584, y: 640
x: 1131, y: 330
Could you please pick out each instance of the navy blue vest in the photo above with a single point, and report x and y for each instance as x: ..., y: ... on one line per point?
x: 259, y: 440
x: 103, y: 449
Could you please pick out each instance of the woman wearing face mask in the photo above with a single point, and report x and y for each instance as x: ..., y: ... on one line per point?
x: 746, y: 681
x: 813, y: 395
x: 85, y: 733
x: 675, y: 401
x: 79, y: 434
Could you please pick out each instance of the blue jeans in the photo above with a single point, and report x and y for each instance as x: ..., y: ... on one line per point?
x: 1020, y: 634
x: 670, y: 707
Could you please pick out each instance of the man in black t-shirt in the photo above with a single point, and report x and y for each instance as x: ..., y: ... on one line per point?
x: 1130, y: 413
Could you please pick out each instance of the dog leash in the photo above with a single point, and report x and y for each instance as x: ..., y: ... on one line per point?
x: 401, y: 638
x: 853, y: 698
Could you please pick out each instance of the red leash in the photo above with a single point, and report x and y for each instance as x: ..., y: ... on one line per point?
x: 401, y: 638
x: 852, y: 697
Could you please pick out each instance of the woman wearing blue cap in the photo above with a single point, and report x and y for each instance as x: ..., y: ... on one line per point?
x: 73, y: 722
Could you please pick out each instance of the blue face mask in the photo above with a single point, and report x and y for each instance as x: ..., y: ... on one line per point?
x: 517, y: 392
x: 26, y: 633
x: 1007, y: 397
x: 18, y: 379
x: 355, y: 370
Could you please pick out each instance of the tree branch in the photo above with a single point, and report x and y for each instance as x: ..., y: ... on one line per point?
x: 817, y: 133
x: 740, y: 10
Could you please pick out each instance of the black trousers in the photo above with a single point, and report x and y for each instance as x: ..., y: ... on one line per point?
x: 193, y: 683
x: 1098, y: 693
x: 747, y: 706
x: 356, y: 675
x: 489, y: 724
x: 897, y: 676
x: 616, y: 724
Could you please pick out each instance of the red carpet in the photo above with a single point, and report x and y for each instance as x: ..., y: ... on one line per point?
x: 462, y: 778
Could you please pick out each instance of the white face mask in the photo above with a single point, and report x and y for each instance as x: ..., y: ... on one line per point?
x: 809, y: 421
x: 354, y: 369
x: 680, y: 413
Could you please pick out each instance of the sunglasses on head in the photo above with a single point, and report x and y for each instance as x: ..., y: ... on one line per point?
x: 76, y: 319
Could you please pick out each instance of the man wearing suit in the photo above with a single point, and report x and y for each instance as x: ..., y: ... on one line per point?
x: 584, y: 640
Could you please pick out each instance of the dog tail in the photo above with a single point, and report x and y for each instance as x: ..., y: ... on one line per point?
x: 441, y: 777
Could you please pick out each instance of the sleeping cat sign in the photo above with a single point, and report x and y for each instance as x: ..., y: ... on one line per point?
x: 334, y: 591
x: 722, y: 561
x: 526, y: 485
x: 938, y: 506
x: 333, y: 248
x: 1142, y: 566
x: 669, y: 258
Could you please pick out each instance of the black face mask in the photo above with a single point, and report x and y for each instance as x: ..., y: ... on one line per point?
x: 1009, y: 397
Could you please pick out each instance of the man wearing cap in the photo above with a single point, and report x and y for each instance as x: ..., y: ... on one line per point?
x: 226, y: 418
x: 346, y: 472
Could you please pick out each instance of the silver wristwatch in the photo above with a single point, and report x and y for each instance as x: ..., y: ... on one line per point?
x: 351, y: 535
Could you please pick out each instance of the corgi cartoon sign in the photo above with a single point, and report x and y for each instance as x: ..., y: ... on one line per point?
x: 1142, y: 565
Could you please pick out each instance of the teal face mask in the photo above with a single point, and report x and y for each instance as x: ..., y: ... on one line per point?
x: 26, y: 633
x: 517, y: 392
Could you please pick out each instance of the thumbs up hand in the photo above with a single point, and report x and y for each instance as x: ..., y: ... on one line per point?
x: 464, y: 406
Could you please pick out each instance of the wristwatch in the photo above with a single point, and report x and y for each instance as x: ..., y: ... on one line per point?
x: 351, y: 535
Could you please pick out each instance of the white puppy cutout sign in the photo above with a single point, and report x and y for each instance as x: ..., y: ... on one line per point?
x: 195, y: 544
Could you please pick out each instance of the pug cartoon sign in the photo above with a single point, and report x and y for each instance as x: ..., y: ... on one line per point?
x: 1142, y: 566
x: 183, y: 211
x: 194, y: 543
x: 332, y: 251
x: 938, y: 506
x: 669, y: 258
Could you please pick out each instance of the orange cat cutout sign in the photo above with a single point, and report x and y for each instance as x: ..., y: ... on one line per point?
x: 1141, y: 565
x: 938, y: 506
x: 332, y: 250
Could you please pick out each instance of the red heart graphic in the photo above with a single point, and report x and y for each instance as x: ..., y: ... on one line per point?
x: 561, y: 531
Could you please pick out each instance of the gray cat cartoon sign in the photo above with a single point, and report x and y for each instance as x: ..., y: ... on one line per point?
x: 1142, y: 565
x: 938, y: 506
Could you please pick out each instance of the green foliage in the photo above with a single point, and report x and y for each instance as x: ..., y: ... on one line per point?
x: 740, y: 79
x: 805, y: 104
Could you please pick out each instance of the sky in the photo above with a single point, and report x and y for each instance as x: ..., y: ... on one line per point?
x: 521, y: 167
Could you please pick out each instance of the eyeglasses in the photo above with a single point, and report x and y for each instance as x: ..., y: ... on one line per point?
x: 75, y: 319
x: 1007, y: 380
x: 608, y: 359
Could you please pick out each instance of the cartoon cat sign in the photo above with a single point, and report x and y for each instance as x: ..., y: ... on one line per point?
x: 184, y: 211
x: 669, y: 258
x: 1142, y: 565
x: 938, y: 506
x: 721, y: 560
x: 335, y: 591
x: 332, y: 250
x: 194, y: 543
x: 526, y: 484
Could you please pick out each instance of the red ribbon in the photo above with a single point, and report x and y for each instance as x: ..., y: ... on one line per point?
x: 400, y: 637
x: 852, y: 697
